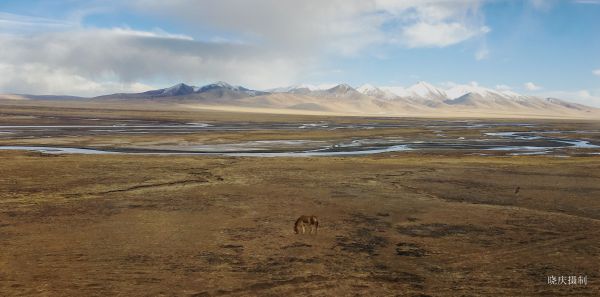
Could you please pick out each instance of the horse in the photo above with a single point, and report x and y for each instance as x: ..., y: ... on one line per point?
x: 306, y: 220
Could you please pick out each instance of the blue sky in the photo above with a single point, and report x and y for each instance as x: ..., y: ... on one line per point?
x: 538, y: 47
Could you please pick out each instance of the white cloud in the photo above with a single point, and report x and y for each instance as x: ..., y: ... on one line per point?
x: 545, y: 5
x: 44, y: 80
x: 126, y: 56
x: 341, y: 26
x: 503, y: 88
x: 425, y: 34
x: 531, y: 86
x: 257, y: 43
x: 482, y: 54
x: 438, y: 23
x: 157, y: 33
x: 596, y: 72
x: 596, y: 2
x: 344, y: 26
x: 20, y: 24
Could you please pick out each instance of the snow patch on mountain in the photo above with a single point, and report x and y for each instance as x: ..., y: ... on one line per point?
x: 307, y: 87
x: 376, y: 92
x: 461, y: 90
x: 426, y: 90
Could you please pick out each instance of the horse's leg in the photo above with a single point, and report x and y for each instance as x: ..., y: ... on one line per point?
x: 303, y: 229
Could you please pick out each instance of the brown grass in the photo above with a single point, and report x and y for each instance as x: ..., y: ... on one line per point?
x: 407, y: 225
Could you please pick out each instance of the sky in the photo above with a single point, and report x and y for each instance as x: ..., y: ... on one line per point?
x: 548, y: 48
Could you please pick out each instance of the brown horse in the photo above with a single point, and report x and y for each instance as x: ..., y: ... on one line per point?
x: 306, y: 220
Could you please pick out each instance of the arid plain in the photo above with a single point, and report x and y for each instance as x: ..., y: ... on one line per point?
x: 438, y: 216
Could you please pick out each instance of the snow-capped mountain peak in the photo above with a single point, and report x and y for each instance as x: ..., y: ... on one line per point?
x: 367, y: 88
x: 344, y: 87
x: 305, y: 87
x: 341, y: 88
x: 176, y: 90
x: 461, y: 90
x: 287, y: 89
x: 421, y: 91
x: 426, y: 90
x: 220, y: 85
x: 421, y: 98
x: 510, y: 94
x: 178, y: 86
x: 376, y: 92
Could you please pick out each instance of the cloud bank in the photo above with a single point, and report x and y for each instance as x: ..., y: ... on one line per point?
x: 258, y: 43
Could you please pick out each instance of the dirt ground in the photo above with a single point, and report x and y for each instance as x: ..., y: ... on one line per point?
x: 396, y: 224
x: 405, y: 225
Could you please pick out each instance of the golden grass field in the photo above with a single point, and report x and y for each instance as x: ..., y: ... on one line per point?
x: 395, y: 224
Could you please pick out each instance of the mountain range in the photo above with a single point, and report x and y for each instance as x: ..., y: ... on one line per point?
x: 420, y: 99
